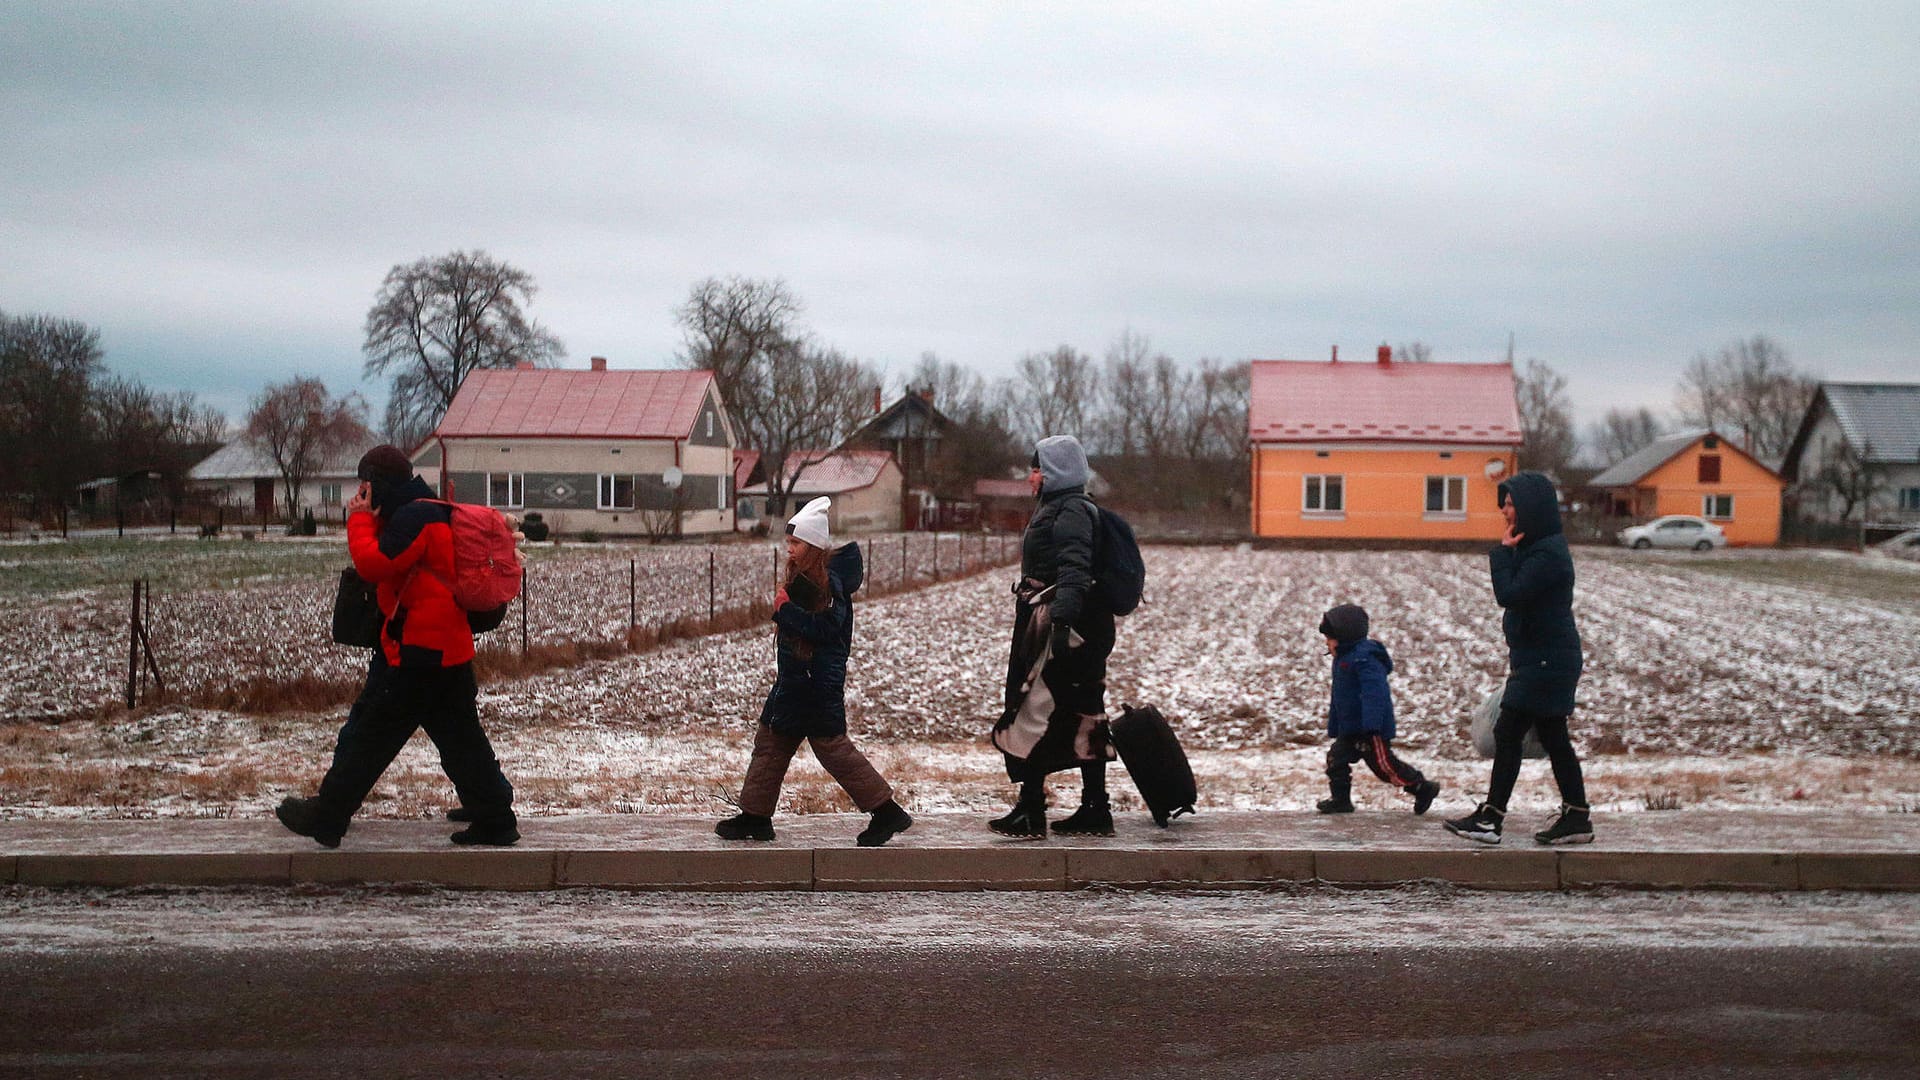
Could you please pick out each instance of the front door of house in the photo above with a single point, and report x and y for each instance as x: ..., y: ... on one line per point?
x: 263, y: 498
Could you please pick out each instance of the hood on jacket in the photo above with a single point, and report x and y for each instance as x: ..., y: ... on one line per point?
x: 849, y: 567
x: 1366, y: 647
x: 1536, y: 505
x: 389, y: 495
x: 1062, y: 462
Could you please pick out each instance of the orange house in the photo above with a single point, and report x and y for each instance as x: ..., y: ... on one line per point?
x: 1701, y: 474
x: 1380, y: 451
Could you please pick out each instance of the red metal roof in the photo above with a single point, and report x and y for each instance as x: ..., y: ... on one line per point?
x: 577, y: 404
x: 831, y: 472
x: 1002, y: 489
x: 1309, y: 401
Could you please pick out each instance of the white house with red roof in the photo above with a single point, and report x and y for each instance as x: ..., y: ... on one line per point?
x: 865, y: 486
x: 1382, y: 450
x: 600, y: 450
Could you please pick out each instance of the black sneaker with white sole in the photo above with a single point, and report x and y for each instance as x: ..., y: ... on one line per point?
x: 1573, y: 826
x: 1483, y: 825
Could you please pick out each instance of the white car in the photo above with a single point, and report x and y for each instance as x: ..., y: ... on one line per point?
x: 1675, y: 531
x: 1904, y: 546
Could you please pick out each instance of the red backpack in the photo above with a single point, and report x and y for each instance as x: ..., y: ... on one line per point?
x: 486, y: 563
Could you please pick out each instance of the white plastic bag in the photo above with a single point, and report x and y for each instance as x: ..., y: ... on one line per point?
x: 1482, y: 728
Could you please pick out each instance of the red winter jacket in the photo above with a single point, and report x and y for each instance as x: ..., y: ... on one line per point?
x: 406, y: 551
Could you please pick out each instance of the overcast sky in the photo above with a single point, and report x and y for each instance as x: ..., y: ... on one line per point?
x: 219, y: 189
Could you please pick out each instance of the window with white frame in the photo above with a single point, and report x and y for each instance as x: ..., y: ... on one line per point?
x: 1910, y: 499
x: 1717, y: 507
x: 616, y: 492
x: 1446, y: 494
x: 329, y: 494
x: 507, y: 490
x: 1324, y: 495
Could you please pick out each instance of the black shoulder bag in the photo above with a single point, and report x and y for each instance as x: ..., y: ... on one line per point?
x: 356, y: 612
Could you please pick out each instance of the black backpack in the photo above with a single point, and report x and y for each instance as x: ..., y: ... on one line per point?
x: 1119, y: 574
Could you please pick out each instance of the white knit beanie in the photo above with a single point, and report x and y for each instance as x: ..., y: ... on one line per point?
x: 810, y: 524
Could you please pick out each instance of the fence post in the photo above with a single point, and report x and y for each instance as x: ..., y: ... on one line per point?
x: 710, y: 588
x: 133, y: 645
x: 526, y: 590
x: 903, y: 560
x: 633, y: 594
x: 936, y: 556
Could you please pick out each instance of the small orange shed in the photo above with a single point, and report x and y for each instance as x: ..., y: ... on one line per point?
x: 1380, y: 451
x: 1702, y: 474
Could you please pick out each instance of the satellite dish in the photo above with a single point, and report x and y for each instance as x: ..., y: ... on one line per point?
x: 1496, y: 469
x: 672, y: 477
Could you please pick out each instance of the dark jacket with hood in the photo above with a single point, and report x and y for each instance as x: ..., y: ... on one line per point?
x: 1057, y: 547
x: 1362, y: 703
x: 405, y: 549
x: 1533, y: 581
x: 809, y: 692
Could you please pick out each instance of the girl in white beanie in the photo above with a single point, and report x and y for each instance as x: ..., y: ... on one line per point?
x: 814, y: 613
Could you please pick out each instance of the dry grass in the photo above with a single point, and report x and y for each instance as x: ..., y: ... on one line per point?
x: 1661, y: 800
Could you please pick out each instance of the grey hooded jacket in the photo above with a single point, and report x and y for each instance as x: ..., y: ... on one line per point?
x: 1057, y: 548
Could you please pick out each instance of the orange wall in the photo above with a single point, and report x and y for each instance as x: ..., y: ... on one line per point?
x: 1755, y: 491
x: 1386, y: 492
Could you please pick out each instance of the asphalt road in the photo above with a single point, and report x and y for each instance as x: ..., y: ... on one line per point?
x: 1313, y: 983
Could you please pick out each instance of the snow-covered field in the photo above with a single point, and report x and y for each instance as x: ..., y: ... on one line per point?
x: 227, y: 614
x: 1776, y: 679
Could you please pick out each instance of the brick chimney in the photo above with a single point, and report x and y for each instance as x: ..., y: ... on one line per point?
x: 1336, y: 355
x: 599, y: 363
x: 523, y: 365
x: 876, y: 399
x: 1386, y: 354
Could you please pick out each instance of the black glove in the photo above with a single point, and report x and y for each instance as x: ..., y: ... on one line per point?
x: 801, y: 590
x: 1060, y: 643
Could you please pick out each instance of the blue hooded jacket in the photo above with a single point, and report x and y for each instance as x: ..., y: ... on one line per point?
x: 1533, y: 581
x: 1362, y: 703
x: 809, y: 695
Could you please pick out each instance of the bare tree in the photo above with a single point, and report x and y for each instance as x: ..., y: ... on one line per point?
x: 1848, y: 475
x: 814, y: 397
x: 1750, y: 391
x: 1054, y: 393
x: 1546, y: 418
x: 1416, y: 352
x: 1624, y: 432
x: 437, y: 320
x: 301, y: 427
x: 47, y: 370
x: 979, y: 441
x: 1214, y: 424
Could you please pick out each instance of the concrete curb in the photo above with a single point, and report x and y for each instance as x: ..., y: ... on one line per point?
x: 682, y: 860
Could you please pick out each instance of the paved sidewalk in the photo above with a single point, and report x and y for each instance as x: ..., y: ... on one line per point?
x: 1684, y: 849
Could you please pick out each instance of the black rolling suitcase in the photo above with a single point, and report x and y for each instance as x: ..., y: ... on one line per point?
x: 1155, y: 761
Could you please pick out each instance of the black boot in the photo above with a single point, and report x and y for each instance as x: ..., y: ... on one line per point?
x: 745, y: 826
x: 488, y: 834
x: 1028, y: 820
x: 460, y: 814
x: 1094, y: 818
x: 1423, y: 794
x: 1573, y: 826
x: 303, y: 816
x: 1340, y: 799
x: 888, y: 819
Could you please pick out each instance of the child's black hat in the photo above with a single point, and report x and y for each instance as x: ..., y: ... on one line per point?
x: 1345, y: 624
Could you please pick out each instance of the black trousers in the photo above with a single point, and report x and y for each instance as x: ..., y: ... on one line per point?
x: 1508, y: 731
x: 1377, y: 752
x: 394, y: 704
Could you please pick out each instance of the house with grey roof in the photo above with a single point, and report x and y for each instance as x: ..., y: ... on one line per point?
x: 243, y: 476
x: 1859, y: 443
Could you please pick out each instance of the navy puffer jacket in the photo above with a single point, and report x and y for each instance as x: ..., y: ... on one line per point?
x: 1533, y: 581
x: 809, y: 695
x: 1362, y: 704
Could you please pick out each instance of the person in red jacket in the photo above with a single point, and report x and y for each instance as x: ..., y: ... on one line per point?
x: 421, y: 676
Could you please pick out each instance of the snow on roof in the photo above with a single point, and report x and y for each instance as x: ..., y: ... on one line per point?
x: 831, y: 472
x: 242, y: 460
x: 577, y: 404
x: 1002, y: 489
x: 1309, y: 401
x: 1635, y: 466
x: 1882, y: 416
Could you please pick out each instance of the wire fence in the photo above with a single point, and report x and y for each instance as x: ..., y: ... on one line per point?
x: 265, y: 645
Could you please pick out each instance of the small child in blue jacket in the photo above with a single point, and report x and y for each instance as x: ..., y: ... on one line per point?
x: 1360, y: 719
